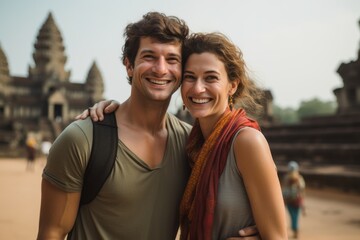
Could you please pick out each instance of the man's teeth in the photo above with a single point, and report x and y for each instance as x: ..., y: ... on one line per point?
x: 159, y: 82
x: 200, y: 100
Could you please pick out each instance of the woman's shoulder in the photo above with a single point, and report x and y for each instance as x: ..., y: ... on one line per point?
x: 249, y: 137
x: 252, y: 150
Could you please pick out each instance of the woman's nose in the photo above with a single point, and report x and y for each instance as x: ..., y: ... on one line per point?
x: 199, y: 86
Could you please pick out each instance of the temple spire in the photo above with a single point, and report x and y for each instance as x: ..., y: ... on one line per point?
x: 49, y: 53
x: 4, y: 67
x: 4, y: 74
x: 359, y: 45
x: 95, y: 83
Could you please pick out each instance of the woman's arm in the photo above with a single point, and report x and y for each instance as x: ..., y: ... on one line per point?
x: 261, y: 181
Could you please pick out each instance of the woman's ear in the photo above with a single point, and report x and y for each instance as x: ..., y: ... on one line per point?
x: 233, y: 87
x: 129, y: 68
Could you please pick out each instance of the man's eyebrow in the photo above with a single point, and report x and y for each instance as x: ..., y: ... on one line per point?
x: 149, y: 51
x: 146, y: 51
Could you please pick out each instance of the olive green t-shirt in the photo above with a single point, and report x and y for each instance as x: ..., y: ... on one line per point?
x: 136, y: 202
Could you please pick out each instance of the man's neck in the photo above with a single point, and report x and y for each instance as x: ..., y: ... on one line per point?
x: 141, y: 115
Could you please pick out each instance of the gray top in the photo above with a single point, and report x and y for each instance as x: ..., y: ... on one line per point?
x: 233, y: 210
x: 136, y: 202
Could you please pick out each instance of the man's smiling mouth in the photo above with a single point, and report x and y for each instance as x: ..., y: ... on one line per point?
x: 158, y: 82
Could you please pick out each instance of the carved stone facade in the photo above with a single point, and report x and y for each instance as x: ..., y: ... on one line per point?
x: 348, y: 97
x: 328, y: 147
x: 46, y: 100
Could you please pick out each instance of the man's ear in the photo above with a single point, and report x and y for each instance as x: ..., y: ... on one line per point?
x: 129, y: 68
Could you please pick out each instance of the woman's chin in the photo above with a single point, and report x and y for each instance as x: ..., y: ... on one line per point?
x: 199, y: 113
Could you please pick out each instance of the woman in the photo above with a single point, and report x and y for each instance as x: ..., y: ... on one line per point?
x: 294, y: 193
x: 233, y: 172
x: 234, y: 182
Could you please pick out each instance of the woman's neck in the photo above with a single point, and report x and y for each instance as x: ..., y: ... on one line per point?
x: 207, y: 124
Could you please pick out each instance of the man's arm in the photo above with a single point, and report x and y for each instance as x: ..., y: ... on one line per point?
x: 58, y: 211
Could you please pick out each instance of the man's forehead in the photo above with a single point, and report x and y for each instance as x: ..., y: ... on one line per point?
x: 149, y: 41
x: 157, y: 40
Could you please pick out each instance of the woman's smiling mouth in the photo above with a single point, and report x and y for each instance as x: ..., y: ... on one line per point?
x: 200, y: 100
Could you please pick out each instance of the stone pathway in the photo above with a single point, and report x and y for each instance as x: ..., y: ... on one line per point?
x: 330, y: 215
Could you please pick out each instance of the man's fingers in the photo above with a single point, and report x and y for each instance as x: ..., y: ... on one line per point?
x: 248, y: 231
x: 96, y: 112
x: 82, y: 115
x: 245, y: 238
x: 112, y: 106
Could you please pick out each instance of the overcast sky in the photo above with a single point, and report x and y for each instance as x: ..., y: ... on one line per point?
x: 292, y: 47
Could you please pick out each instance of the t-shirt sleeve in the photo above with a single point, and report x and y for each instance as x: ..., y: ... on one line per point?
x: 68, y: 156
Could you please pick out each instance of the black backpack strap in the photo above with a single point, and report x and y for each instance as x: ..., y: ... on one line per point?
x: 102, y: 157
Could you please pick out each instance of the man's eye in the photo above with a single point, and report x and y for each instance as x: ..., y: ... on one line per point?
x: 173, y: 60
x: 149, y: 57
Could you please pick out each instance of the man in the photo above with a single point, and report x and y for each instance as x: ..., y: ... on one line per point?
x: 140, y: 199
x: 31, y: 146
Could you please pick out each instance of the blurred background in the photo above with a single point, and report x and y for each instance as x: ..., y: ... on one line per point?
x: 59, y: 57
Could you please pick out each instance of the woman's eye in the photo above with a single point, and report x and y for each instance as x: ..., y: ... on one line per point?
x: 211, y: 78
x: 188, y: 77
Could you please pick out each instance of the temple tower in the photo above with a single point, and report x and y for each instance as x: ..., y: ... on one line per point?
x: 49, y: 54
x: 47, y: 100
x: 5, y: 89
x: 4, y: 73
x: 95, y: 83
x: 348, y: 97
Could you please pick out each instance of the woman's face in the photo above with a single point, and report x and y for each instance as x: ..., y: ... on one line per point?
x: 206, y: 88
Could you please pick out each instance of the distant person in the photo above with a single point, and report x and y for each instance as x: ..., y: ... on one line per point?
x: 31, y: 146
x: 294, y: 193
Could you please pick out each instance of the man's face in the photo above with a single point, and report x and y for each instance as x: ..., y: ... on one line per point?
x: 156, y: 73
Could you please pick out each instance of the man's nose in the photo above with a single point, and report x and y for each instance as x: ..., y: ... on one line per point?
x: 160, y: 66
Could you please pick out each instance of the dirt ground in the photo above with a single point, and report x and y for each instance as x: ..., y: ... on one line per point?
x: 330, y: 215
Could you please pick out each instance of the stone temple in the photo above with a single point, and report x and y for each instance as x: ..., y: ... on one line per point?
x: 327, y: 147
x: 46, y: 100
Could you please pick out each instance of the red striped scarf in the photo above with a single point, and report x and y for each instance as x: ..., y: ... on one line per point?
x: 207, y: 158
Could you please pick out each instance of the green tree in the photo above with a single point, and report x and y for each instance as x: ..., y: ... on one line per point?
x: 316, y: 107
x: 285, y: 115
